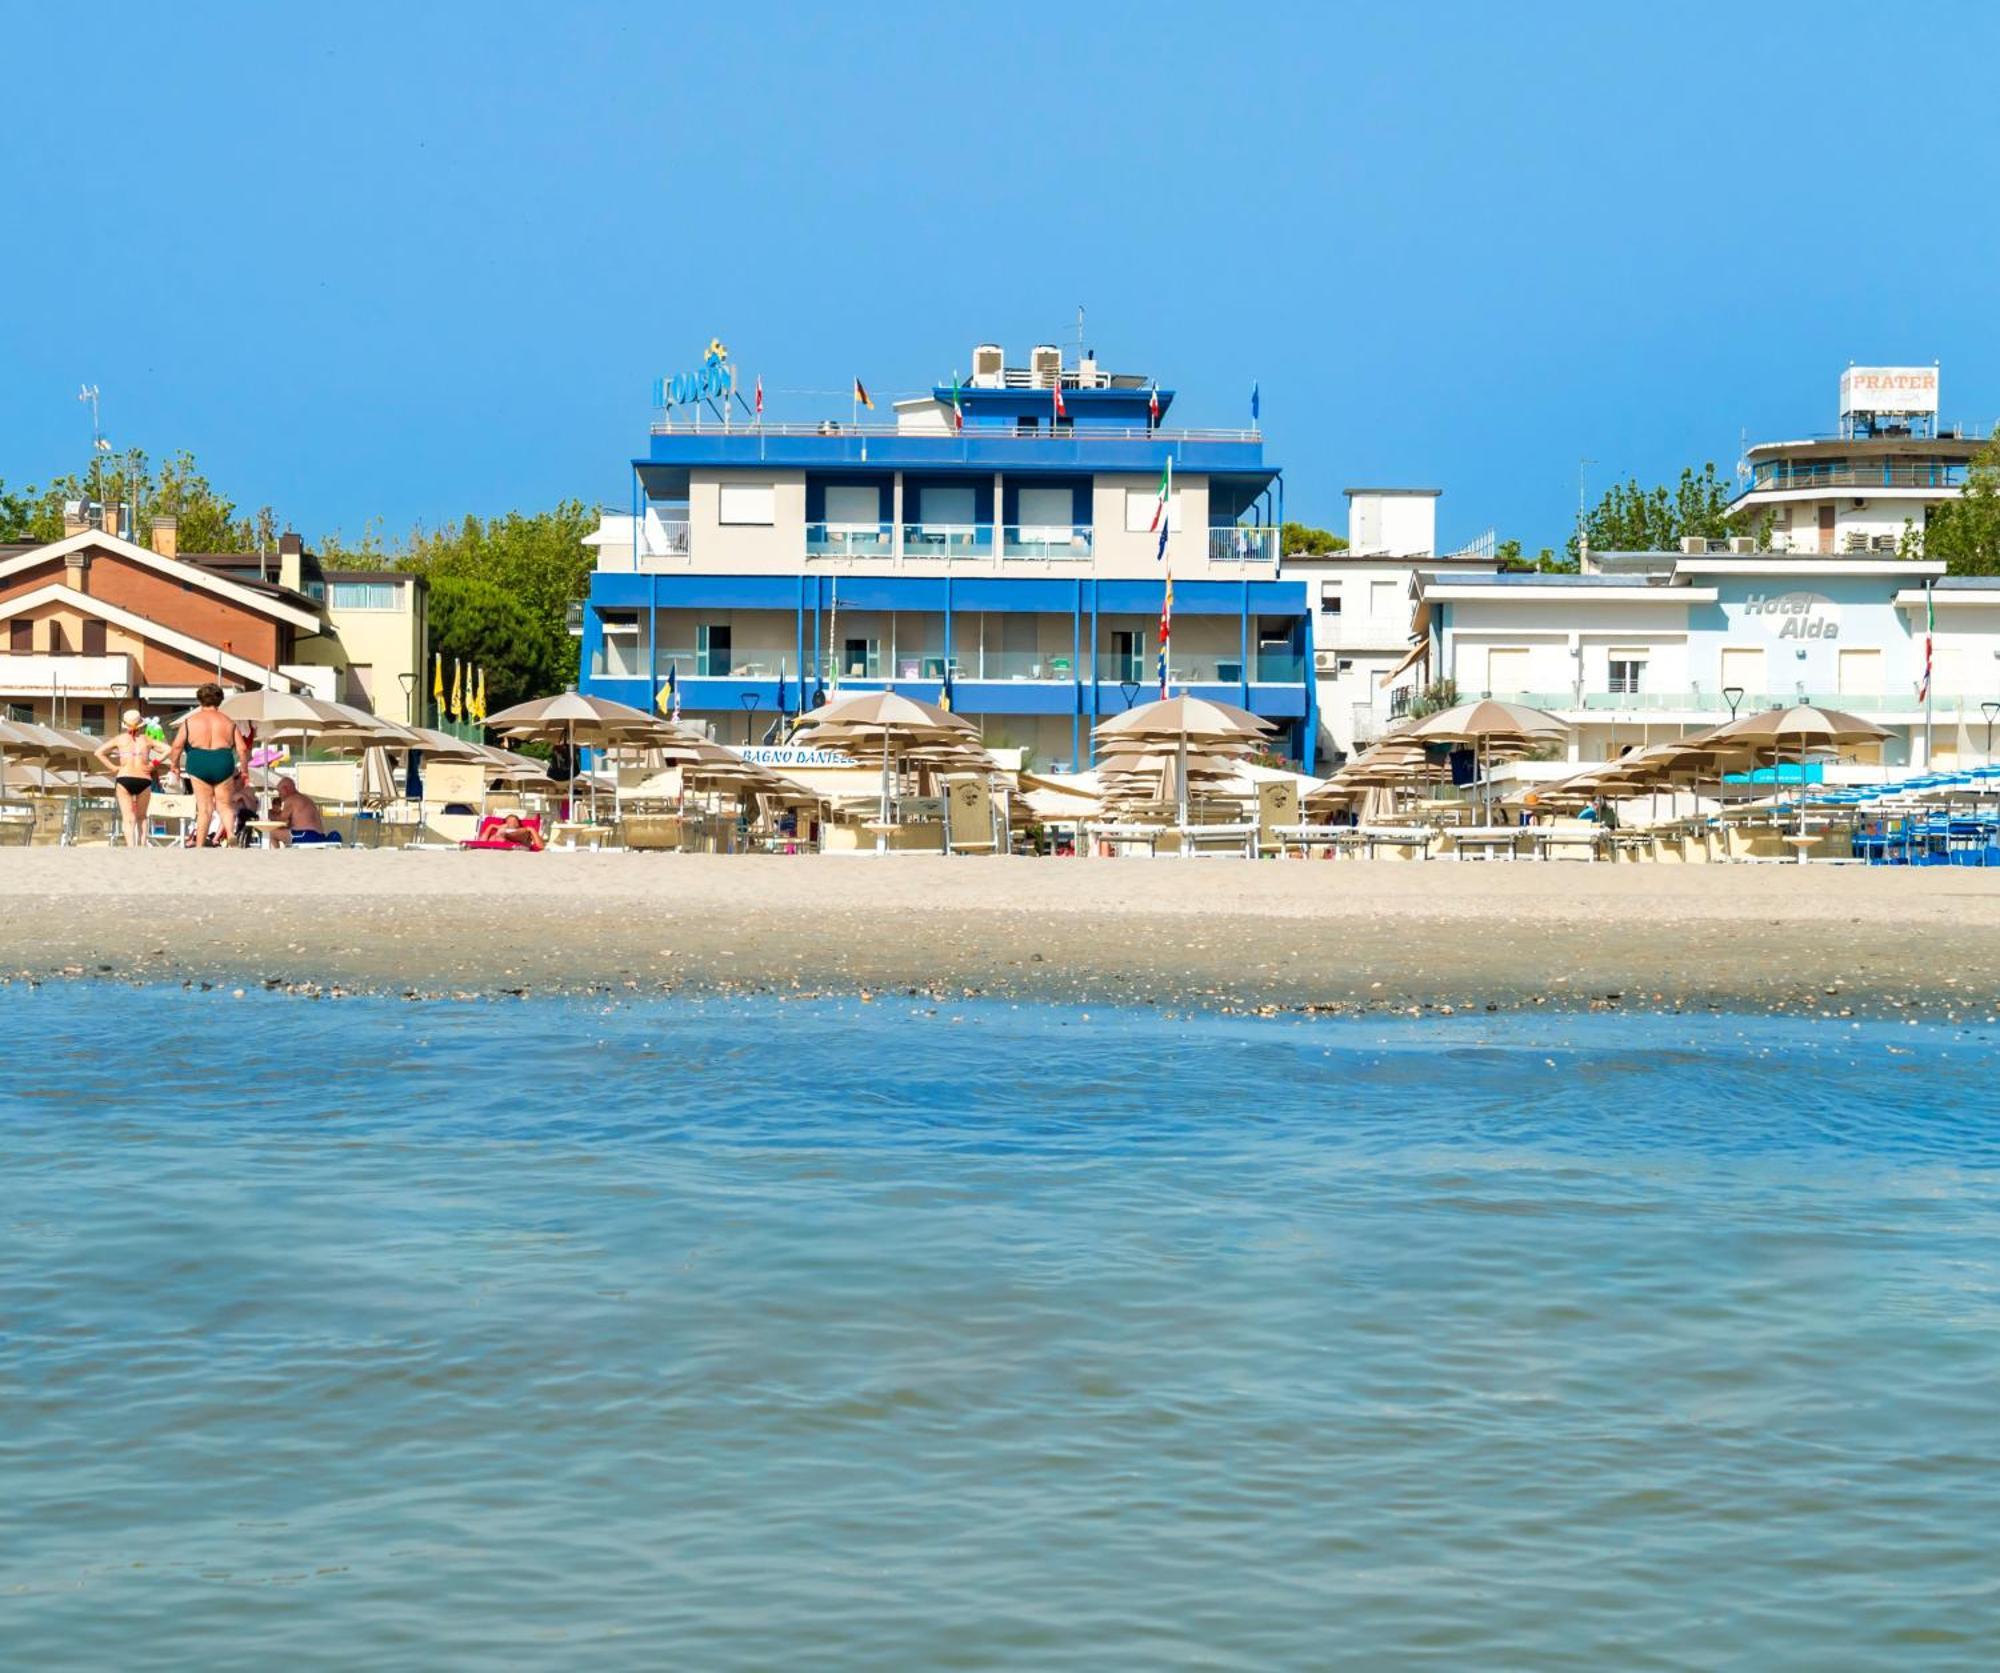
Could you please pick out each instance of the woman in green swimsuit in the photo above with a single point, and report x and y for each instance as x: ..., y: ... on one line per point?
x: 211, y: 751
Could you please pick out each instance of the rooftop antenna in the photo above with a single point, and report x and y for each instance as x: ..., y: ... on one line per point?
x: 98, y: 445
x: 1582, y: 530
x: 1079, y: 331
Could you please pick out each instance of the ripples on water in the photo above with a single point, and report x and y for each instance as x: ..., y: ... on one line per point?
x: 842, y: 1336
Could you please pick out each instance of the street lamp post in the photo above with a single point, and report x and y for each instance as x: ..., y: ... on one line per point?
x: 1131, y: 690
x: 749, y: 700
x: 1734, y: 694
x: 1989, y: 709
x: 409, y: 685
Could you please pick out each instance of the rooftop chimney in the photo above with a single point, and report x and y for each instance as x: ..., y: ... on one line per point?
x: 167, y: 536
x: 291, y: 564
x: 76, y: 517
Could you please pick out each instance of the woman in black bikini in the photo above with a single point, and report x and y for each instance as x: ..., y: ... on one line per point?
x: 131, y: 756
x: 214, y: 752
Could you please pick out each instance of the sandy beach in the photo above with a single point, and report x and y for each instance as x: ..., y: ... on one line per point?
x: 1205, y: 934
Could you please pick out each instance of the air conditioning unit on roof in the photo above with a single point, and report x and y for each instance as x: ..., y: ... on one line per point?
x: 989, y: 365
x: 1045, y: 365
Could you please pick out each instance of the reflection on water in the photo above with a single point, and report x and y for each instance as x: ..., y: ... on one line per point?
x: 844, y: 1335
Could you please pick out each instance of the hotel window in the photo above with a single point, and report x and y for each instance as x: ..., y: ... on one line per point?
x: 621, y: 651
x: 1743, y: 669
x: 747, y: 502
x: 1385, y: 598
x: 364, y: 595
x: 861, y: 659
x: 21, y: 711
x: 851, y: 508
x: 1627, y: 672
x: 58, y: 640
x: 1046, y: 513
x: 21, y: 636
x: 712, y: 649
x: 90, y: 719
x: 951, y: 507
x: 1128, y: 655
x: 93, y: 638
x: 1329, y: 598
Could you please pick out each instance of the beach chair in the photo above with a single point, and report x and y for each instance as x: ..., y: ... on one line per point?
x: 970, y: 826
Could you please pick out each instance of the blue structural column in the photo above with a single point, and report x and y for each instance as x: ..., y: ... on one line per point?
x: 799, y: 645
x: 947, y: 618
x: 1309, y: 745
x: 1096, y: 639
x: 1076, y: 678
x: 653, y: 642
x: 1243, y: 667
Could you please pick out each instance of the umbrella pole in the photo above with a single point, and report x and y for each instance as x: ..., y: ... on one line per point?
x: 882, y: 818
x: 1181, y: 790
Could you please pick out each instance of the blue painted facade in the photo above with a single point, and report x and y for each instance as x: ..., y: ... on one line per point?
x: 1261, y: 623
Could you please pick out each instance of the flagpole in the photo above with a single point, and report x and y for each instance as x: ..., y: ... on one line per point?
x: 1930, y: 631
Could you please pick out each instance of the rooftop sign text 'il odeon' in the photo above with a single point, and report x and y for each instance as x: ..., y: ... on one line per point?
x: 714, y: 379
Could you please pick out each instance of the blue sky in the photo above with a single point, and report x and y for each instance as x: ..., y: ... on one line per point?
x: 409, y: 261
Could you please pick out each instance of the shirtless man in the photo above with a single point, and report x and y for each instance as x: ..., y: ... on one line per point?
x: 130, y: 756
x: 511, y: 830
x: 301, y: 814
x: 211, y: 751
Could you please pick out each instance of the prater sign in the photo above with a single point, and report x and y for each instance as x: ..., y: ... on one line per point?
x: 1797, y: 615
x: 1888, y: 389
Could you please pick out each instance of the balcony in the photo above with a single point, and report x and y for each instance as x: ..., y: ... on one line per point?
x: 1057, y: 542
x: 1787, y: 476
x: 1241, y: 543
x: 850, y: 540
x: 66, y: 676
x: 946, y: 541
x: 1015, y: 666
x: 1704, y: 703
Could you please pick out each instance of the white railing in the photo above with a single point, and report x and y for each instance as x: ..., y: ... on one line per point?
x: 1242, y: 543
x: 72, y: 676
x: 973, y: 432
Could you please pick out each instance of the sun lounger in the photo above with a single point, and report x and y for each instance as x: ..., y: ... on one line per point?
x: 487, y: 840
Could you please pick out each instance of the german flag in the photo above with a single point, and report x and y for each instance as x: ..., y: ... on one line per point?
x: 861, y: 396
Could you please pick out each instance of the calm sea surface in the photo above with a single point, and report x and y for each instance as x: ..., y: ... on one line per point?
x: 842, y: 1335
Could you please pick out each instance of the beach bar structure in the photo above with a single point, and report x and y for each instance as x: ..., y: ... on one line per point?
x: 993, y: 541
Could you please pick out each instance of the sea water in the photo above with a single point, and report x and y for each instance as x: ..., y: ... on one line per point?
x: 845, y: 1335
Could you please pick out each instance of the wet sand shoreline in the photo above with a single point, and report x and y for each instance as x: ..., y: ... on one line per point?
x: 1221, y: 935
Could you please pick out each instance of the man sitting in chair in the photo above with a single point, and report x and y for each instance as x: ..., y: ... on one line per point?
x: 303, y: 820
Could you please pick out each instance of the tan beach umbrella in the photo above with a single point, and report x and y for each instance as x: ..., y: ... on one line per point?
x: 1490, y: 726
x: 845, y: 721
x: 1185, y: 717
x: 1802, y: 727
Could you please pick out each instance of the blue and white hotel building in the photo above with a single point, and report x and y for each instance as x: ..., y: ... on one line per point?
x: 981, y: 530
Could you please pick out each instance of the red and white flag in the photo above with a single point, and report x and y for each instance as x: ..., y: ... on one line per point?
x: 1153, y: 407
x: 760, y: 394
x: 1062, y: 411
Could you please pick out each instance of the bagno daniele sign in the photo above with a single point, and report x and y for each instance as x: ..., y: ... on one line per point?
x: 1888, y: 389
x: 793, y: 755
x: 1795, y: 615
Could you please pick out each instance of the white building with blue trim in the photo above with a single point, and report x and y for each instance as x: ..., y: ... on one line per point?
x: 1002, y: 531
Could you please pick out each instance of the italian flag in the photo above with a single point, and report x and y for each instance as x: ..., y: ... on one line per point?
x: 957, y: 411
x: 1166, y: 493
x: 1153, y: 407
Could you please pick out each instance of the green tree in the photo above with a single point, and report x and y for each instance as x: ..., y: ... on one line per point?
x: 208, y: 519
x: 482, y: 624
x: 1630, y: 518
x: 1312, y: 542
x: 1512, y: 561
x: 539, y: 561
x: 1965, y: 532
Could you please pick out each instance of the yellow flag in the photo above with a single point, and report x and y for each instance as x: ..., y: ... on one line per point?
x: 457, y: 691
x: 437, y: 680
x: 479, y: 698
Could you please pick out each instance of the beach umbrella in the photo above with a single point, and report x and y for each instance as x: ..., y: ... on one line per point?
x: 1184, y: 721
x: 1804, y: 726
x: 893, y: 715
x: 571, y: 718
x: 1487, y: 725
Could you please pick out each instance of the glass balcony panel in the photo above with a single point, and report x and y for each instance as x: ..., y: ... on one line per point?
x: 947, y: 540
x: 849, y: 540
x: 1058, y: 667
x: 1046, y: 540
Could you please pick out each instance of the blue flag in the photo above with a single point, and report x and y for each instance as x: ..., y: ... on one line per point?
x: 1256, y: 406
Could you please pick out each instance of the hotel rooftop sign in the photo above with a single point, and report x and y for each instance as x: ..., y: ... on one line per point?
x: 1888, y: 389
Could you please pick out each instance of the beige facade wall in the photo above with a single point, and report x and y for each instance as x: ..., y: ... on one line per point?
x: 386, y: 644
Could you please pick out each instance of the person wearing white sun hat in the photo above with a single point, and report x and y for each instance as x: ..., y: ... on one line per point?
x: 132, y: 757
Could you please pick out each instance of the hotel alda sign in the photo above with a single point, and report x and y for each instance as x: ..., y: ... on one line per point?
x: 713, y: 379
x: 1796, y: 615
